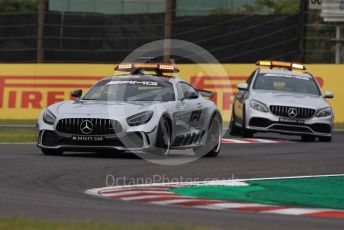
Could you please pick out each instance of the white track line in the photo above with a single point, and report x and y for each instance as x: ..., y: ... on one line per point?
x: 252, y: 141
x: 295, y: 211
x: 148, y: 197
x: 292, y: 177
x: 174, y: 201
x: 119, y: 193
x: 235, y: 141
x: 266, y: 140
x: 220, y: 206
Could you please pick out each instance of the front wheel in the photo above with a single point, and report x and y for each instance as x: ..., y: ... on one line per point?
x: 214, y: 137
x: 52, y: 152
x: 245, y: 133
x: 234, y: 130
x: 163, y: 139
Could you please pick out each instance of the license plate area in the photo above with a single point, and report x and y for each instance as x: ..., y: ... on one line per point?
x: 87, y: 138
x: 292, y: 121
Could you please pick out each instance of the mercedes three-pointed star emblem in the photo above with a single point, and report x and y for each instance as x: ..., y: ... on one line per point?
x: 292, y: 112
x: 86, y: 127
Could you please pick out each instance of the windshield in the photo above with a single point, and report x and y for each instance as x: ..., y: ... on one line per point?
x: 287, y: 83
x: 131, y: 90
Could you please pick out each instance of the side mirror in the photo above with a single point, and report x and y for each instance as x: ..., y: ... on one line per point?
x: 205, y: 93
x: 76, y: 93
x: 193, y: 96
x: 242, y: 86
x: 329, y: 95
x: 190, y: 96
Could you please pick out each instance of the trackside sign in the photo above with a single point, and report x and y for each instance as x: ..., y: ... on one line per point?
x: 26, y: 89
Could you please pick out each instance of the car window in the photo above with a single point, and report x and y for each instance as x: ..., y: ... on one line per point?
x: 131, y: 90
x: 186, y: 91
x: 250, y: 78
x: 287, y: 83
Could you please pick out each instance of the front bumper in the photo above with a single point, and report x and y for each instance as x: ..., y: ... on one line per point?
x: 268, y: 122
x: 131, y: 141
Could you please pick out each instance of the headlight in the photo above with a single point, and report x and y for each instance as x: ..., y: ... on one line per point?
x: 259, y: 106
x: 49, y: 117
x: 324, y: 112
x: 140, y: 118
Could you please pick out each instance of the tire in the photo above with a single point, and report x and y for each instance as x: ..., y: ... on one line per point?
x: 52, y: 152
x: 215, y: 137
x: 245, y: 133
x: 233, y: 129
x: 325, y: 139
x: 163, y: 140
x: 307, y: 138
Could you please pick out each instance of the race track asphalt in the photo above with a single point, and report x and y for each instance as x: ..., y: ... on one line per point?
x: 52, y: 188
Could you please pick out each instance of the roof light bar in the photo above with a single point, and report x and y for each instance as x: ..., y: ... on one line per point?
x: 161, y: 68
x: 281, y: 64
x: 124, y: 66
x: 264, y: 63
x: 298, y: 66
x: 145, y: 66
x: 166, y: 67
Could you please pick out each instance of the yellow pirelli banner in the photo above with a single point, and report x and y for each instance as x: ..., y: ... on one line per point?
x: 26, y: 89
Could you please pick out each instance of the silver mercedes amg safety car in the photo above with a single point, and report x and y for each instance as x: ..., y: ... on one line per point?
x: 283, y: 101
x: 152, y: 113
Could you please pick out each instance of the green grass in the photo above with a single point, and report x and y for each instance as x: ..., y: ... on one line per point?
x: 319, y: 192
x: 17, y: 122
x: 17, y: 135
x: 339, y: 125
x: 22, y: 224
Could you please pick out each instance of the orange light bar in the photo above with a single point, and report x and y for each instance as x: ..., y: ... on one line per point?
x: 124, y: 66
x: 163, y: 68
x: 264, y: 63
x: 166, y: 67
x: 145, y: 66
x: 281, y: 64
x: 298, y: 66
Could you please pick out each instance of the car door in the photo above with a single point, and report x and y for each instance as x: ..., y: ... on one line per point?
x: 189, y: 110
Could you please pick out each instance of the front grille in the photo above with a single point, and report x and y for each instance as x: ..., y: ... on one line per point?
x: 99, y: 126
x: 283, y: 111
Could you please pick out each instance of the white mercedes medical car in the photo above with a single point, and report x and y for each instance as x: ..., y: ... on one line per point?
x: 283, y: 101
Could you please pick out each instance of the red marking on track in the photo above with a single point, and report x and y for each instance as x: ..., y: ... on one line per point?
x: 165, y: 198
x: 197, y: 202
x: 184, y: 201
x: 332, y: 214
x: 132, y: 189
x: 259, y: 208
x: 142, y: 194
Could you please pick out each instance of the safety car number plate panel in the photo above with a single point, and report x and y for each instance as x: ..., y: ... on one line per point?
x: 291, y: 121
